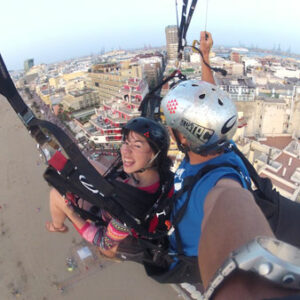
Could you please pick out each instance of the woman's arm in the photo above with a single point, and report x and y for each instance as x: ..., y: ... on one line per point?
x: 107, y: 238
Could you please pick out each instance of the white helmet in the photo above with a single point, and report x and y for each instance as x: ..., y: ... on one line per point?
x: 204, y: 114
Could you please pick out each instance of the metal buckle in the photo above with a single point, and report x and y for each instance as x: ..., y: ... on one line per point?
x: 27, y: 117
x: 161, y: 213
x: 171, y: 230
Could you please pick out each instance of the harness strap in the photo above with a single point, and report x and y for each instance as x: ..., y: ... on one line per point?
x: 150, y: 105
x: 184, y: 25
x: 188, y: 185
x: 8, y: 89
x: 77, y: 158
x: 120, y: 207
x: 181, y: 28
x: 252, y: 172
x: 189, y: 18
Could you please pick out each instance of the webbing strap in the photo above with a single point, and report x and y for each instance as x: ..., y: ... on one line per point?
x: 189, y: 18
x: 8, y: 90
x: 77, y: 158
x: 252, y: 172
x: 188, y: 185
x: 184, y: 25
x: 147, y: 107
x: 181, y: 27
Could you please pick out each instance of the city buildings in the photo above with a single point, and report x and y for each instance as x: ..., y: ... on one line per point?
x: 103, y: 92
x: 104, y: 127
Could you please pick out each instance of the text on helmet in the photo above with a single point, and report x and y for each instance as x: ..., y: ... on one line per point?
x: 202, y: 133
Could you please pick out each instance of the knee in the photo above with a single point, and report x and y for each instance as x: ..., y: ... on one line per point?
x: 55, y: 196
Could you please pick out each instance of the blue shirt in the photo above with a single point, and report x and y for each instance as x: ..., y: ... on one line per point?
x: 190, y: 225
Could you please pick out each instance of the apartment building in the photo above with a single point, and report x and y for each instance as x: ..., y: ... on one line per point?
x: 28, y: 64
x: 107, y: 85
x: 238, y: 88
x: 80, y: 99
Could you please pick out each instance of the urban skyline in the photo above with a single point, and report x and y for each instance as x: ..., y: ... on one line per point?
x: 59, y: 31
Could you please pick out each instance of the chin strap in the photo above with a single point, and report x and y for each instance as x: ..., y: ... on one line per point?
x: 180, y: 146
x: 136, y: 181
x: 148, y: 165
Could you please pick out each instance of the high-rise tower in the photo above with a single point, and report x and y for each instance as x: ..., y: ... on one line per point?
x: 28, y: 64
x: 172, y: 41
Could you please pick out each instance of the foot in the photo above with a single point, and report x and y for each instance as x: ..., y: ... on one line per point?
x: 51, y: 228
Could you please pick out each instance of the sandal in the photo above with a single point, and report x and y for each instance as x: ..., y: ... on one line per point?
x: 51, y: 228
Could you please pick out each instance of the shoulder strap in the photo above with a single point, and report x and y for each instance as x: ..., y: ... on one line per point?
x: 163, y: 203
x: 252, y: 172
x: 188, y: 185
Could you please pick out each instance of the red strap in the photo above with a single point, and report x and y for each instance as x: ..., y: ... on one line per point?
x: 57, y: 161
x: 153, y: 224
x: 83, y: 228
x: 71, y: 197
x: 134, y: 234
x: 171, y: 192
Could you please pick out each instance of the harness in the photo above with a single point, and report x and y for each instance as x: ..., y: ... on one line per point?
x: 282, y: 214
x: 74, y: 176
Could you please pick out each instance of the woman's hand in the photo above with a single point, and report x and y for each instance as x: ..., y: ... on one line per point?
x: 111, y: 253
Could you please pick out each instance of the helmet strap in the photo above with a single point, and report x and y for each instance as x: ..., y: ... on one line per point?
x: 149, y: 164
x: 136, y: 181
x: 180, y: 146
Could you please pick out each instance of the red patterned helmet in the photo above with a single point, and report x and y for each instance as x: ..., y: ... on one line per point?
x: 204, y: 114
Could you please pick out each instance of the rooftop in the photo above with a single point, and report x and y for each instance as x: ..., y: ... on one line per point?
x: 235, y: 81
x: 82, y: 92
x: 279, y: 142
x: 284, y: 169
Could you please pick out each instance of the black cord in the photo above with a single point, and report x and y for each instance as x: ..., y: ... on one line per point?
x: 219, y: 70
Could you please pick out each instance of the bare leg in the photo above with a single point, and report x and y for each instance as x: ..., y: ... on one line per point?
x: 57, y: 213
x: 60, y: 211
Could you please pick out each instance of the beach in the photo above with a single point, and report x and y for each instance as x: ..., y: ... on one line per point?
x: 34, y: 262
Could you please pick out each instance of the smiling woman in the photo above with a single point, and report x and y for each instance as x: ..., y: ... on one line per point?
x: 136, y: 153
x: 144, y: 149
x: 145, y: 161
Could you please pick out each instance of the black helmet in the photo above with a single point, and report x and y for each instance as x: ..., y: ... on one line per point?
x: 155, y: 133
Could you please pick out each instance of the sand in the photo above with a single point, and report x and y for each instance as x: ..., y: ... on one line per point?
x: 33, y: 261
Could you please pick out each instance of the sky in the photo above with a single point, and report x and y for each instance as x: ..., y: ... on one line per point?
x: 51, y: 31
